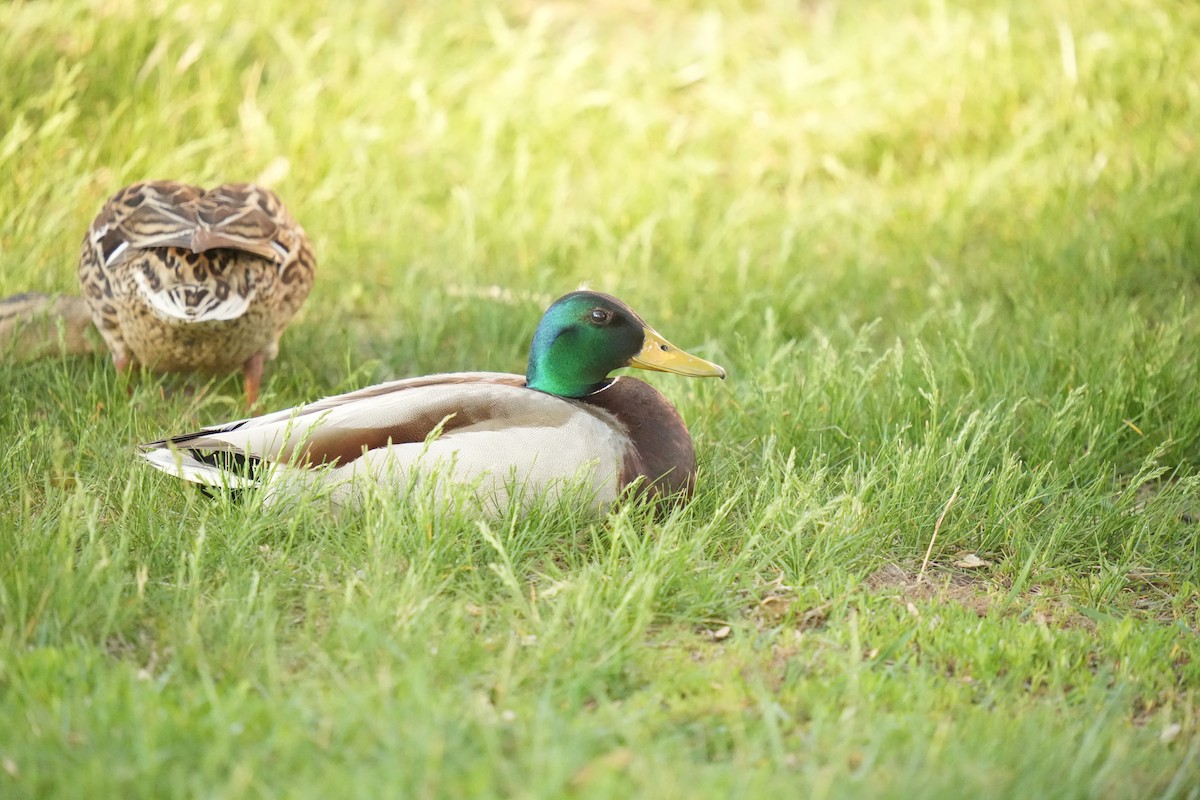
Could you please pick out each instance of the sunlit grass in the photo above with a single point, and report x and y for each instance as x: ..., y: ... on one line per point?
x: 947, y: 252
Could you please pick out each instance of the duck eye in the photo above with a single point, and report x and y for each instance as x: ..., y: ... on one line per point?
x: 601, y: 316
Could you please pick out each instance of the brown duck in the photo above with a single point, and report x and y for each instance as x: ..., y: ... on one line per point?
x: 507, y: 437
x: 35, y: 325
x: 182, y: 279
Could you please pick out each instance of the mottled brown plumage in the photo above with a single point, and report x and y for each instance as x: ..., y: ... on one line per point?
x: 182, y: 279
x: 35, y: 325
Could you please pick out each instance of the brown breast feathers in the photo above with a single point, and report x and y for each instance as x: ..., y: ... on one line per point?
x: 661, y: 448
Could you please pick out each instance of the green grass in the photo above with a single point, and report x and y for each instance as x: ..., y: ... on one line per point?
x: 948, y: 252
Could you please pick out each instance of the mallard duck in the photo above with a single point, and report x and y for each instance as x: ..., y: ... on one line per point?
x: 565, y: 419
x: 35, y: 325
x: 183, y: 279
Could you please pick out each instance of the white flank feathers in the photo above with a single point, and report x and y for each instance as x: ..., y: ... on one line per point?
x: 515, y: 441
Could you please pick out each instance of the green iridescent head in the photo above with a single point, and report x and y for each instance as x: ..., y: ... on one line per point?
x: 584, y: 336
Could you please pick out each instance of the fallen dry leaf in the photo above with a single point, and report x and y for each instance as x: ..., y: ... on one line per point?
x: 775, y: 608
x: 719, y: 633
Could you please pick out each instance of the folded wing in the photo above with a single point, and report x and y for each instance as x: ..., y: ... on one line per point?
x: 485, y: 429
x: 167, y: 214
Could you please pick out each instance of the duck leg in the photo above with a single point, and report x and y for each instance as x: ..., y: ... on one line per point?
x: 124, y: 364
x: 252, y: 372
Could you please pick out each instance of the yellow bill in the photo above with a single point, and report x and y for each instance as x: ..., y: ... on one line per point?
x: 661, y: 356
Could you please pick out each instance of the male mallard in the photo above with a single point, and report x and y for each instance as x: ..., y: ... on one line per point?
x: 179, y: 278
x: 564, y: 419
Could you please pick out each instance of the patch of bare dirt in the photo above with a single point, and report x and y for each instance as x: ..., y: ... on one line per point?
x: 976, y: 591
x: 968, y: 590
x: 777, y: 602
